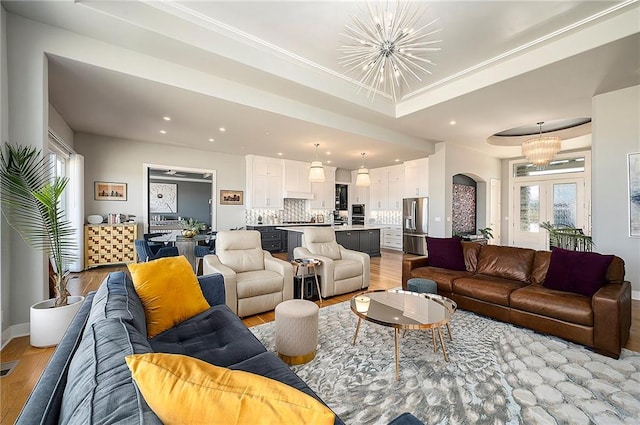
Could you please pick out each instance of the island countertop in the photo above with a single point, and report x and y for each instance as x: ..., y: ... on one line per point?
x: 337, y: 228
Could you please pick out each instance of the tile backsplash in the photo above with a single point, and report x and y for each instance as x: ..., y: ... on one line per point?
x: 294, y: 210
x: 386, y: 217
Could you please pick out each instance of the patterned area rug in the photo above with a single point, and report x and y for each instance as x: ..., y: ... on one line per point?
x: 497, y: 374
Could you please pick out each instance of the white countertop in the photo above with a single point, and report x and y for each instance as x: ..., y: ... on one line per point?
x: 347, y: 228
x: 289, y: 224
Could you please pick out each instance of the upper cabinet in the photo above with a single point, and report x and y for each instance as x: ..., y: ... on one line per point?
x: 296, y: 177
x: 357, y: 194
x: 416, y: 178
x: 264, y: 182
x: 324, y: 194
x: 387, y: 187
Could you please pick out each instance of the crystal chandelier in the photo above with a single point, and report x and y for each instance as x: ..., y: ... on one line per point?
x: 541, y: 149
x: 316, y: 171
x: 383, y: 48
x: 362, y: 177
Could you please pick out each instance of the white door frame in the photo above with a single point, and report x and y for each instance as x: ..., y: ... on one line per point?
x: 585, y: 175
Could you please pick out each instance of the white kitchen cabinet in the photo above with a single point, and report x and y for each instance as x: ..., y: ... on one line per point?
x: 264, y: 182
x: 387, y: 187
x: 395, y: 187
x: 416, y: 180
x: 391, y: 237
x: 324, y: 194
x: 296, y: 176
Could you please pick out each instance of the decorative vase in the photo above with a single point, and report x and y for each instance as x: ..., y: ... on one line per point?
x: 188, y: 233
x: 48, y: 324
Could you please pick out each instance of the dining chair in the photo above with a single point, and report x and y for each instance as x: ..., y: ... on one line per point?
x: 145, y: 254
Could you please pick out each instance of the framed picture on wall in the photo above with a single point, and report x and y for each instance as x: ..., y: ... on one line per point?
x: 109, y: 191
x: 634, y: 194
x: 163, y: 198
x: 231, y: 197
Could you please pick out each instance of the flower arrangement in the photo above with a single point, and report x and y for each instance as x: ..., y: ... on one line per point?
x: 191, y: 227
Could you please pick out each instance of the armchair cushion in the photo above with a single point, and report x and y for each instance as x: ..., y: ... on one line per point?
x: 258, y: 282
x: 322, y: 241
x: 345, y: 269
x: 240, y: 250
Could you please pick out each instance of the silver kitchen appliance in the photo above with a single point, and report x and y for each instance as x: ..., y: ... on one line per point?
x: 415, y: 225
x: 357, y: 214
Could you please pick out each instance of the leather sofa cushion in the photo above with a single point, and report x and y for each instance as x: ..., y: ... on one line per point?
x: 490, y: 289
x: 541, y: 262
x: 259, y: 282
x: 566, y: 306
x: 345, y: 269
x: 506, y: 262
x: 442, y: 277
x: 471, y: 250
x: 615, y: 272
x: 215, y: 336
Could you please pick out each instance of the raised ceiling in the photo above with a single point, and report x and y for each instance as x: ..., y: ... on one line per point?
x: 503, y: 65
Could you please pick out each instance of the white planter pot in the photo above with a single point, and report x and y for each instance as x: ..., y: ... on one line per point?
x: 48, y: 324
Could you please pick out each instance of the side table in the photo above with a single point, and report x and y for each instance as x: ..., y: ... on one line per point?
x: 307, y: 264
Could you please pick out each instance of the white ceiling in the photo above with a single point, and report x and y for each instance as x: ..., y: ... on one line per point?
x: 503, y: 65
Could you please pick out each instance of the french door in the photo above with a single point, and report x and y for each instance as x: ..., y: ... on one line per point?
x: 558, y: 201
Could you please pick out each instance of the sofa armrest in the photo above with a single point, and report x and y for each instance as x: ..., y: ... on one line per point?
x: 348, y: 254
x: 283, y: 268
x: 212, y: 286
x: 409, y: 264
x: 210, y: 265
x: 611, y: 318
x: 44, y: 402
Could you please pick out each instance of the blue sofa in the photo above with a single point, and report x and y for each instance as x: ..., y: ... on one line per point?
x: 87, y: 379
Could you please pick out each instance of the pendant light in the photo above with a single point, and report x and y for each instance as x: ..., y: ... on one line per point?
x: 362, y: 178
x: 316, y: 172
x: 541, y: 149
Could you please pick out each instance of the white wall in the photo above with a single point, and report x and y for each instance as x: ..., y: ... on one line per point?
x: 59, y: 127
x: 5, y: 263
x: 448, y: 161
x: 111, y: 159
x: 616, y: 133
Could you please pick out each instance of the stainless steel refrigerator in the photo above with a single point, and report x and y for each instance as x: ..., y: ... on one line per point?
x: 415, y: 225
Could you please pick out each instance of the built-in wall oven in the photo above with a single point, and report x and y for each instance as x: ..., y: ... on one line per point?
x: 357, y: 214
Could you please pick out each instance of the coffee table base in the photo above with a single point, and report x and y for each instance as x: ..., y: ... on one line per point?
x: 397, y: 343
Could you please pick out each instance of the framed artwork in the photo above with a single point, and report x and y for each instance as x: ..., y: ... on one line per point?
x: 109, y: 191
x: 163, y: 198
x: 634, y: 194
x: 231, y: 197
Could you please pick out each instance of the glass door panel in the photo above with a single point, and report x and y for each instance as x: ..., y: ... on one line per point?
x: 565, y: 204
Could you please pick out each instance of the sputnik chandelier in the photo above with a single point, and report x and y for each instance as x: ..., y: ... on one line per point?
x: 385, y: 48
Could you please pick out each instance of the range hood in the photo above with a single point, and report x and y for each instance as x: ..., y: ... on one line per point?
x: 298, y: 195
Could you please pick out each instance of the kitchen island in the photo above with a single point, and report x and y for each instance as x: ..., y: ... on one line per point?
x: 358, y: 238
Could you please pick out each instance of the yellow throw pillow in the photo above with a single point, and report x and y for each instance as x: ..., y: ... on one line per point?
x: 184, y: 390
x: 169, y: 291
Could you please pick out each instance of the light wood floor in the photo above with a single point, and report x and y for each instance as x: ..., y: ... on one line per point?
x: 386, y: 273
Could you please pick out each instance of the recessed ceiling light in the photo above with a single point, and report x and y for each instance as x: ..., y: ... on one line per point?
x: 329, y: 162
x: 267, y: 133
x: 222, y: 129
x: 212, y: 140
x: 452, y: 122
x: 397, y: 159
x: 279, y: 153
x: 166, y: 118
x: 328, y: 153
x: 163, y: 132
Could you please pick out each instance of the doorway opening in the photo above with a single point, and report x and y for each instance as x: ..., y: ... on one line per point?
x: 178, y: 193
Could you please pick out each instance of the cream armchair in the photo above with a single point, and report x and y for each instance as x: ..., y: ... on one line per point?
x: 342, y: 270
x: 254, y: 281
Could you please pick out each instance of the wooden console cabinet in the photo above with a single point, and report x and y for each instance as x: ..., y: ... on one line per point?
x: 109, y: 244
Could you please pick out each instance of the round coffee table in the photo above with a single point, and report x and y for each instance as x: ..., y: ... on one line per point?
x: 401, y: 309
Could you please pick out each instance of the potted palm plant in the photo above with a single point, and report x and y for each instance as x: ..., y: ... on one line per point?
x: 30, y: 199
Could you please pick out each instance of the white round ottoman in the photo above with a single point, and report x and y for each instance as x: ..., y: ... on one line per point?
x: 296, y: 331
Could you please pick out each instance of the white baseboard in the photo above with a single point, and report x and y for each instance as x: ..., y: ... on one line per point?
x: 635, y: 295
x: 15, y: 331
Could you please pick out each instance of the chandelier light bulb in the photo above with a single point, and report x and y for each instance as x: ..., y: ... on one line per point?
x: 541, y: 149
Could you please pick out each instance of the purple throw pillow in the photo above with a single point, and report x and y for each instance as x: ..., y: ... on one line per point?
x: 446, y: 253
x: 580, y: 272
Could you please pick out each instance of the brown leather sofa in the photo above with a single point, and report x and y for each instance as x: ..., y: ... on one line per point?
x: 505, y: 283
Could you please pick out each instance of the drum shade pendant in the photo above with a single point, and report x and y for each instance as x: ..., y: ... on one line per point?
x: 362, y: 178
x: 316, y: 171
x: 541, y: 149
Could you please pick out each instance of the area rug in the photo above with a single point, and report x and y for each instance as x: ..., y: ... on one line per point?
x: 497, y: 374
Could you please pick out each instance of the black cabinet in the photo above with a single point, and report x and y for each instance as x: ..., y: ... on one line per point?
x: 342, y: 200
x: 370, y: 241
x: 271, y: 237
x: 349, y: 239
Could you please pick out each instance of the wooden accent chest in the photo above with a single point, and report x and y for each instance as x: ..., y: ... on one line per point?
x: 109, y: 244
